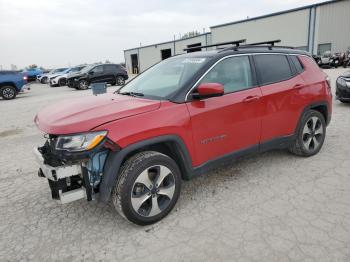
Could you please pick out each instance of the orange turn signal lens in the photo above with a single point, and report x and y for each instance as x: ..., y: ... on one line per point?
x: 95, y: 142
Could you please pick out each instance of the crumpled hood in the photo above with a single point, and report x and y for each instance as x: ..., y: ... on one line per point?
x: 85, y: 113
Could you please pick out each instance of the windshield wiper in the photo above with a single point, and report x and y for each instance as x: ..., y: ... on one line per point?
x: 131, y: 94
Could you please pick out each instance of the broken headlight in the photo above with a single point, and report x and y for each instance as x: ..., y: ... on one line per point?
x: 80, y: 142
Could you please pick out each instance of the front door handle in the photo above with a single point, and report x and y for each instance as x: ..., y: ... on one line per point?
x: 250, y: 99
x: 298, y: 86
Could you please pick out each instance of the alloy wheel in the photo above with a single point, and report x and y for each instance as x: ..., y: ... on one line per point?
x: 8, y: 93
x: 120, y: 81
x: 153, y: 191
x: 83, y: 85
x: 312, y: 133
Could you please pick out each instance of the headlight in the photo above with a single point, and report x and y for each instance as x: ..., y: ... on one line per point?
x: 80, y: 142
x: 341, y: 82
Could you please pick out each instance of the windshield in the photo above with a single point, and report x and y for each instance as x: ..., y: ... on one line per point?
x: 86, y: 69
x: 75, y: 69
x: 165, y: 78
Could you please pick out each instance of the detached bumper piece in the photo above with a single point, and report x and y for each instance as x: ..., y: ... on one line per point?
x: 66, y: 182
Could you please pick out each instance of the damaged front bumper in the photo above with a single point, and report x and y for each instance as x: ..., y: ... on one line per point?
x: 65, y: 182
x: 71, y: 177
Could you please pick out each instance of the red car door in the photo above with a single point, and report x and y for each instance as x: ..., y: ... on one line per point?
x: 281, y: 101
x: 229, y: 123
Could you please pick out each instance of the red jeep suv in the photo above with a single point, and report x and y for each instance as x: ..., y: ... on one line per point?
x: 180, y: 118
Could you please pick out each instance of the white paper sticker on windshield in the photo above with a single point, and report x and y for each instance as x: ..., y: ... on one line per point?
x: 193, y: 60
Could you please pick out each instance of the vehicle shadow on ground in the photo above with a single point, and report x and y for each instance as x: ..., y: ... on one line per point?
x: 203, y: 188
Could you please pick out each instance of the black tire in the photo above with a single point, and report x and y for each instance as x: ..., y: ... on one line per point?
x: 120, y: 80
x: 131, y: 171
x: 43, y: 80
x: 316, y: 138
x: 62, y: 82
x: 83, y: 85
x: 344, y: 101
x: 8, y: 92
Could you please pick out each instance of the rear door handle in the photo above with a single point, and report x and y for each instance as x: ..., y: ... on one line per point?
x: 250, y: 99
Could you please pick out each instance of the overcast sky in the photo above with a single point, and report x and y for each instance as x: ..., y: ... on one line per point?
x: 54, y: 33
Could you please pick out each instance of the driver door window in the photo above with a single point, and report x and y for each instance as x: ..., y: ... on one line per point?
x: 233, y: 73
x: 97, y: 70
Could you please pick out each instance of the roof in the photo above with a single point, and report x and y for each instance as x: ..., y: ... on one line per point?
x: 168, y: 42
x: 278, y: 13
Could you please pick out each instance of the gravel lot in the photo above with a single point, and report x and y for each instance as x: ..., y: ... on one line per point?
x: 269, y: 207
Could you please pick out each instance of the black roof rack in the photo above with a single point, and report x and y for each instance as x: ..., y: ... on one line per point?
x: 236, y: 43
x: 271, y: 43
x: 265, y: 44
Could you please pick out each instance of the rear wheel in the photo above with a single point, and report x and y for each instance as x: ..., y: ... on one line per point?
x: 120, y: 80
x: 310, y: 135
x: 83, y: 85
x: 148, y: 187
x: 8, y: 92
x: 344, y: 101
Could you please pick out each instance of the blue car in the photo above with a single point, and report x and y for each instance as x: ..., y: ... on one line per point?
x: 11, y: 83
x: 32, y: 73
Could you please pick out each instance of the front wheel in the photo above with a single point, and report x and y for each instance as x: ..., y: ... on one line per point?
x: 83, y: 85
x: 43, y: 80
x: 62, y: 82
x: 148, y: 188
x: 310, y: 135
x: 8, y: 92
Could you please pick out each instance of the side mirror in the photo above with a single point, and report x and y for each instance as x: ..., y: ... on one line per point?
x: 91, y: 72
x: 207, y: 90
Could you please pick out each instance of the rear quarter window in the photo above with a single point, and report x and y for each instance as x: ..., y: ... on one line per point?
x: 298, y: 65
x: 272, y: 68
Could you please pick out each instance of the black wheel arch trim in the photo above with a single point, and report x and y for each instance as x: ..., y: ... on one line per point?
x: 313, y: 106
x: 115, y: 160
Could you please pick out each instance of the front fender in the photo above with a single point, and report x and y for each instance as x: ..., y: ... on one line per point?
x: 115, y: 160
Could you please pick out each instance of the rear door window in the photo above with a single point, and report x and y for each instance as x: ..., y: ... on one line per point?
x: 272, y: 68
x: 110, y: 68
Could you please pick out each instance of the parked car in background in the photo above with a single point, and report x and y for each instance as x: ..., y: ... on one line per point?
x: 317, y: 59
x: 44, y: 78
x: 113, y: 74
x: 347, y: 59
x: 57, y: 73
x: 11, y: 83
x: 182, y: 117
x: 337, y: 59
x: 60, y: 79
x: 32, y: 73
x: 343, y: 88
x: 325, y: 59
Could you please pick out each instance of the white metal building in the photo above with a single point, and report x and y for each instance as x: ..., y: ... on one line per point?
x: 316, y: 28
x: 141, y: 58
